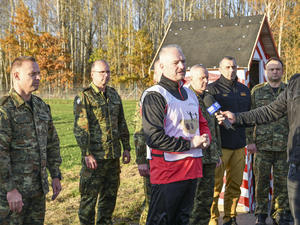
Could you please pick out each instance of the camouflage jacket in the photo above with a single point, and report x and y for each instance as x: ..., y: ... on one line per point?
x: 28, y: 145
x: 272, y: 136
x: 100, y: 123
x: 139, y: 137
x: 214, y: 151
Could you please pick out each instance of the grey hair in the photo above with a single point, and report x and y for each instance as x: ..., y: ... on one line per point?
x: 199, y: 66
x: 226, y: 57
x: 163, y: 50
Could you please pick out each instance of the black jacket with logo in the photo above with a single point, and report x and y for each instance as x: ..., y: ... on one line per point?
x: 288, y: 102
x: 235, y: 97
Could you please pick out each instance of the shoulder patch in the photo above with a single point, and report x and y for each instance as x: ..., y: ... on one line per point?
x: 243, y: 94
x: 3, y: 99
x: 78, y: 101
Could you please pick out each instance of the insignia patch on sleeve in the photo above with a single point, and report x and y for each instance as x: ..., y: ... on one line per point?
x: 78, y: 101
x: 243, y: 94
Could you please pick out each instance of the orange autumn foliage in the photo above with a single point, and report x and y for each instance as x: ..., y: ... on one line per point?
x: 48, y: 50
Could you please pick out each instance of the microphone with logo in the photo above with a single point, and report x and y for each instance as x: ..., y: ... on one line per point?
x: 212, y: 107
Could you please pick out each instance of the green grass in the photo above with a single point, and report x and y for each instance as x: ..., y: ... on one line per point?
x: 64, y: 209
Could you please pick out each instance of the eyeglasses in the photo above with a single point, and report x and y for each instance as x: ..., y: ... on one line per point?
x: 102, y: 72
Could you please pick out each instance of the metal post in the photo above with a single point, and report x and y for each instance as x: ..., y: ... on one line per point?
x: 66, y: 90
x: 135, y: 93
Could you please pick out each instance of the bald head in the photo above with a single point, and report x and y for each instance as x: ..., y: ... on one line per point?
x: 172, y: 62
x: 199, y: 78
x: 100, y: 74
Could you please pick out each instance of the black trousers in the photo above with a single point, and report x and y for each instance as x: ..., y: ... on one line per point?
x: 171, y: 203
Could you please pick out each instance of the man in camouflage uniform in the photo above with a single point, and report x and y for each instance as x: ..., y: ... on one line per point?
x: 141, y: 151
x: 28, y: 145
x: 269, y: 145
x: 211, y: 156
x: 98, y: 128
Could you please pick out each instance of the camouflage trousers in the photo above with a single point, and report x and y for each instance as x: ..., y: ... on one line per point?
x: 103, y: 182
x: 263, y: 161
x: 147, y: 191
x: 200, y: 214
x: 33, y: 211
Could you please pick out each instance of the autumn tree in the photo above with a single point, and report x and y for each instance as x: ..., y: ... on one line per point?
x: 52, y: 60
x: 141, y: 58
x: 291, y: 41
x: 127, y: 66
x: 46, y: 48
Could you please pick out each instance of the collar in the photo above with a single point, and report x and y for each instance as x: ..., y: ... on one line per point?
x: 228, y: 82
x: 173, y: 85
x: 17, y: 99
x: 269, y: 88
x: 199, y: 96
x: 96, y: 89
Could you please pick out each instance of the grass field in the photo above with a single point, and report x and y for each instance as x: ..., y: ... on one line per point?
x: 64, y: 209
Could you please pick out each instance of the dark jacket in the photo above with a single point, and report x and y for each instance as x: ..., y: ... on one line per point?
x: 287, y: 102
x: 153, y: 113
x: 235, y: 97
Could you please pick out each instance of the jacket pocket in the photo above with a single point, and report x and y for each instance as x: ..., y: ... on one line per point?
x: 22, y: 121
x: 22, y: 175
x: 85, y: 180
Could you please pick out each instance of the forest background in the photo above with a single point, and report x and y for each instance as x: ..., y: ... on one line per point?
x: 65, y: 36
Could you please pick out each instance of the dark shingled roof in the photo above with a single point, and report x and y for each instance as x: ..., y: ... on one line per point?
x: 208, y: 41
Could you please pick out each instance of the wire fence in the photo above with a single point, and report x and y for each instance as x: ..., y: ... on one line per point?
x: 48, y: 92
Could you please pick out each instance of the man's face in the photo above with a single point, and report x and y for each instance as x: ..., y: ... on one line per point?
x: 28, y: 76
x: 228, y: 69
x: 274, y: 71
x: 199, y: 79
x: 101, y: 74
x: 173, y: 64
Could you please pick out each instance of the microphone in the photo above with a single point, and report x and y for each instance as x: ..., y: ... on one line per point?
x: 212, y: 107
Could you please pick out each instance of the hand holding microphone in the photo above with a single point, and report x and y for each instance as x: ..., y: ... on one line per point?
x: 213, y: 107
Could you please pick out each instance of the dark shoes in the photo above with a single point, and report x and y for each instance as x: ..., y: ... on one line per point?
x: 287, y: 216
x: 279, y: 220
x: 232, y: 221
x: 261, y: 219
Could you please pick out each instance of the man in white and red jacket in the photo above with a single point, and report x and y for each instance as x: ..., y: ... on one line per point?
x: 175, y: 132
